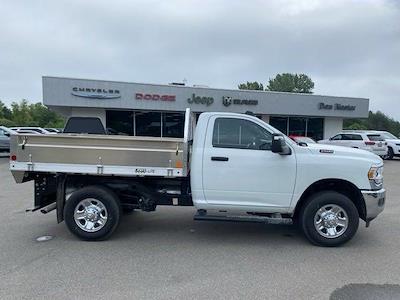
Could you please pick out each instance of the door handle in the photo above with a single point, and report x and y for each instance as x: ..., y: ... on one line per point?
x: 219, y: 158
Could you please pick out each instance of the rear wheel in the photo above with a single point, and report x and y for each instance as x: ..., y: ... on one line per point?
x: 329, y: 219
x: 92, y: 213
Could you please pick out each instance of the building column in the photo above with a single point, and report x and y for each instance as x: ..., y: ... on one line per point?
x: 332, y: 126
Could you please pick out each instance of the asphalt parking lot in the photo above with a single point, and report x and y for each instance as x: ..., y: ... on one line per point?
x: 167, y: 255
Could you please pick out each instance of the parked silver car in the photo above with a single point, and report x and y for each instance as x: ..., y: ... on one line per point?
x: 5, y: 139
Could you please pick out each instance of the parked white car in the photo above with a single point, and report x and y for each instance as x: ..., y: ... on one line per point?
x: 32, y: 128
x: 393, y: 143
x: 365, y: 140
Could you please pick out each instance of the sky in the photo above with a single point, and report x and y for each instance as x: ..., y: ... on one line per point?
x: 348, y: 48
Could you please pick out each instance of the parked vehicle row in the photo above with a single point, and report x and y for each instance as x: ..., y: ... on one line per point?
x: 5, y: 134
x: 381, y: 143
x: 38, y: 130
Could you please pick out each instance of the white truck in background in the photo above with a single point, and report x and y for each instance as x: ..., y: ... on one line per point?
x: 235, y: 168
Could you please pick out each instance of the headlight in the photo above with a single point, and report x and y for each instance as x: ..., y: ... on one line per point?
x: 375, y: 174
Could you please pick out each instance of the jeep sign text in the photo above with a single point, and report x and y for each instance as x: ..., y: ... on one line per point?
x: 200, y: 100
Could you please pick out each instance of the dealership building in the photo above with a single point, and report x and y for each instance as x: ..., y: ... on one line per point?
x: 158, y: 110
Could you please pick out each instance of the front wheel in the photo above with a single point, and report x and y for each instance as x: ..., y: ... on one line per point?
x: 390, y: 153
x: 329, y: 219
x: 92, y: 213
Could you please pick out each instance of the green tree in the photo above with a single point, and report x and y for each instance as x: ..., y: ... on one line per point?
x: 357, y: 126
x: 293, y: 83
x: 5, y: 112
x: 25, y: 114
x: 45, y: 117
x: 7, y: 123
x: 21, y: 114
x: 251, y: 86
x: 375, y: 121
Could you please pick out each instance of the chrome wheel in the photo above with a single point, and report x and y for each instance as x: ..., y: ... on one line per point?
x: 90, y: 215
x: 331, y: 221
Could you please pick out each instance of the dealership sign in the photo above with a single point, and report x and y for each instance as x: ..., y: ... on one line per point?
x: 154, y: 97
x: 200, y: 100
x: 95, y: 93
x: 227, y: 101
x: 336, y: 106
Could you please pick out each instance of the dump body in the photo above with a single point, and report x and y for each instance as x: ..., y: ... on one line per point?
x: 101, y: 154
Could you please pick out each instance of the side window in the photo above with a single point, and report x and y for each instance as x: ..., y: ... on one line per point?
x: 337, y: 137
x: 346, y: 137
x: 375, y: 137
x: 356, y: 137
x: 352, y: 137
x: 242, y: 134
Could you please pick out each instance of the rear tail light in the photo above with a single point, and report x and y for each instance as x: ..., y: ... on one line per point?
x: 369, y: 143
x: 13, y: 157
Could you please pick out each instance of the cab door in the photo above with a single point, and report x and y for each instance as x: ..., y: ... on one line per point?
x: 239, y: 168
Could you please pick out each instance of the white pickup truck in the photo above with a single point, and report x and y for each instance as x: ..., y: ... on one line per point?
x: 235, y: 168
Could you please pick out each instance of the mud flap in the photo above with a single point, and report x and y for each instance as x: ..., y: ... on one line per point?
x: 60, y: 200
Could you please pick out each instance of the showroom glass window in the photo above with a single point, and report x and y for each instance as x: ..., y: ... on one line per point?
x: 297, y: 126
x: 315, y: 128
x: 300, y: 126
x: 280, y: 123
x: 119, y: 122
x: 155, y: 124
x: 172, y: 124
x: 241, y: 134
x: 148, y: 123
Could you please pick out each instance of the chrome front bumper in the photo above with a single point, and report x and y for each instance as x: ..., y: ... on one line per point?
x: 374, y: 203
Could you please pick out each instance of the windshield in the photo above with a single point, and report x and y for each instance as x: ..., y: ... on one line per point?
x: 388, y: 135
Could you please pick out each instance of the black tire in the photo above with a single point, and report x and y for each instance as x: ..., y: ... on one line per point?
x: 326, y: 198
x: 109, y: 200
x: 390, y: 153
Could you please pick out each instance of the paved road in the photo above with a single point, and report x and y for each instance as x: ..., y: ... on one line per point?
x: 166, y: 255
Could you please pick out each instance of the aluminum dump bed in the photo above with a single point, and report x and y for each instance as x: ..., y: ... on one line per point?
x: 101, y: 154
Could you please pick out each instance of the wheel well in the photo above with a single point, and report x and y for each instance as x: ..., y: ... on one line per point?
x: 338, y: 185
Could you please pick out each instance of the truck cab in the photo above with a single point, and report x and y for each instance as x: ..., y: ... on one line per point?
x: 242, y: 166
